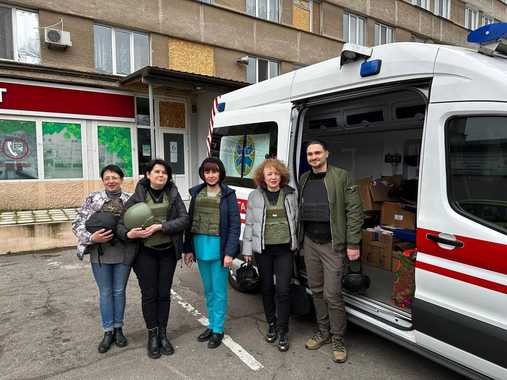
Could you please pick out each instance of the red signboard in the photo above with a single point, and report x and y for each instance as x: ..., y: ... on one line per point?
x: 24, y: 97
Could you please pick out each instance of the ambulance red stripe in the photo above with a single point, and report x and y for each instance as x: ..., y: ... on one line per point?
x: 462, y: 277
x: 478, y: 253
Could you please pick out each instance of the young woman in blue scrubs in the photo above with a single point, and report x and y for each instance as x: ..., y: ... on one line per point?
x: 212, y: 240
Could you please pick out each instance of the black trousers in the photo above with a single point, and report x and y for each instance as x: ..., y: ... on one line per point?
x: 276, y: 262
x: 155, y: 272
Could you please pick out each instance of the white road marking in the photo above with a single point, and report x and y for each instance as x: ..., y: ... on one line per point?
x: 239, y: 351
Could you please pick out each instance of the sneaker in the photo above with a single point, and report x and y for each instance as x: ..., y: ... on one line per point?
x: 215, y: 340
x: 317, y: 341
x: 271, y: 335
x: 339, y: 350
x: 205, y: 335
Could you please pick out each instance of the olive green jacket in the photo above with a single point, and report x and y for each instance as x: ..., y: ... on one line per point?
x: 345, y: 208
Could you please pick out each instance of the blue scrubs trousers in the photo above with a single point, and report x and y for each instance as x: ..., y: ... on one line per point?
x: 214, y: 279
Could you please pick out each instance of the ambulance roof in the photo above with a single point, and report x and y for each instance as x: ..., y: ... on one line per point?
x: 458, y: 74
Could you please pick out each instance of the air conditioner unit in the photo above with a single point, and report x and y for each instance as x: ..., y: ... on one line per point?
x: 56, y: 38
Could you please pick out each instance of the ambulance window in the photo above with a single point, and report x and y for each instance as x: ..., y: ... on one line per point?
x: 477, y: 168
x: 242, y: 148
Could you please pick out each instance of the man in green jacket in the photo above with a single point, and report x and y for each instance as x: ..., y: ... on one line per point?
x: 330, y: 227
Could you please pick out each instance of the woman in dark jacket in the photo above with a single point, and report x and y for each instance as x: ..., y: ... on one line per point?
x: 212, y: 239
x: 159, y: 248
x: 270, y: 235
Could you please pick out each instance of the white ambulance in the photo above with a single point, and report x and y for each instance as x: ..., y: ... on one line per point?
x: 442, y: 111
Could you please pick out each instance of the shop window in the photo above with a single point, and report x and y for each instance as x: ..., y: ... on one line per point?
x: 119, y: 51
x: 353, y: 29
x: 18, y: 150
x: 19, y: 35
x: 477, y: 168
x: 143, y: 111
x: 486, y: 20
x: 471, y: 18
x: 383, y: 34
x: 144, y: 149
x: 260, y: 69
x: 115, y: 147
x: 443, y: 8
x: 62, y: 147
x: 266, y: 9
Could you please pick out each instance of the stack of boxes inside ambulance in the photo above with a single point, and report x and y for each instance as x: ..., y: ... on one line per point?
x: 388, y: 237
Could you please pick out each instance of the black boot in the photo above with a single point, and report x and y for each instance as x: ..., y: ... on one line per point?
x: 153, y: 343
x: 205, y: 335
x: 119, y: 339
x: 106, y: 342
x: 271, y: 335
x: 283, y: 342
x: 166, y: 348
x: 215, y: 340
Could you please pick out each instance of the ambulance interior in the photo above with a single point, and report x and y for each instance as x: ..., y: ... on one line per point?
x: 378, y: 140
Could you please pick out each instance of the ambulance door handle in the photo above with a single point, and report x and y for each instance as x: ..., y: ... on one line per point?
x: 446, y: 241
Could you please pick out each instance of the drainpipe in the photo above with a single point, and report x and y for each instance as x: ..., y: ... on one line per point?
x: 152, y: 118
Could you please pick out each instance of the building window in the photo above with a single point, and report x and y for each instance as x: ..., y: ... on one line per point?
x: 18, y: 150
x: 421, y: 3
x: 119, y: 51
x: 477, y: 165
x: 62, y: 150
x: 353, y: 29
x: 115, y: 147
x: 443, y: 8
x: 19, y: 35
x: 486, y: 20
x: 266, y: 9
x: 471, y: 18
x: 260, y: 69
x: 383, y: 34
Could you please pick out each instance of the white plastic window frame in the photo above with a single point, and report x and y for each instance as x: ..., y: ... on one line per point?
x: 421, y: 3
x: 486, y: 20
x: 40, y: 147
x: 15, y: 31
x: 471, y: 18
x: 113, y: 47
x: 270, y: 62
x: 378, y: 34
x: 443, y: 8
x: 346, y: 36
x: 268, y: 8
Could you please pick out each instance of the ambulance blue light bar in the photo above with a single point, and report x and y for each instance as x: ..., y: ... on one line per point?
x: 221, y: 107
x: 488, y: 33
x: 369, y: 68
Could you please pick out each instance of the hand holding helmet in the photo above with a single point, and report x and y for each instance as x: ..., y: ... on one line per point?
x: 102, y: 236
x: 139, y: 221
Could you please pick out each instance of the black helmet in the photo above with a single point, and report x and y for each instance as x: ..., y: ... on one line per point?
x: 101, y: 220
x: 247, y: 278
x: 354, y: 280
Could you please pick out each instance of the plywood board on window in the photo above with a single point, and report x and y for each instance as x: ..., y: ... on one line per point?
x: 301, y: 15
x: 191, y: 57
x: 172, y: 114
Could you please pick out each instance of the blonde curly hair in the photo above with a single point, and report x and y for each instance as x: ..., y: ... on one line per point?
x: 273, y: 163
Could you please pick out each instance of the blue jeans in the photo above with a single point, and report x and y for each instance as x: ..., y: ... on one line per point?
x: 111, y: 280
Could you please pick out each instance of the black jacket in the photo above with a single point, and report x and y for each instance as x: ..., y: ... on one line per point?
x: 230, y: 224
x: 177, y: 216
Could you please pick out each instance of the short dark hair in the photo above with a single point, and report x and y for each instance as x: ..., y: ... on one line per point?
x: 212, y: 163
x: 112, y: 168
x: 317, y: 142
x: 159, y: 161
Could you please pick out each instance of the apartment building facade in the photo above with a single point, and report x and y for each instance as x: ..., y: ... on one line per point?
x: 86, y: 83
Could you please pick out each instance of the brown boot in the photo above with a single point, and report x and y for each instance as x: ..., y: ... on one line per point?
x: 339, y: 350
x: 317, y: 341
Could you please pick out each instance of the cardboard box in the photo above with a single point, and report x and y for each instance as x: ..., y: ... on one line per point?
x: 393, y: 180
x: 372, y: 193
x: 393, y: 214
x: 376, y: 249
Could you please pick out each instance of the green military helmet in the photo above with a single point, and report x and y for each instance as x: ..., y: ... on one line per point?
x: 139, y: 215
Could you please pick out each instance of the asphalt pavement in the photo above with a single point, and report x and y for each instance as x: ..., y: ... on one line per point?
x: 50, y: 328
